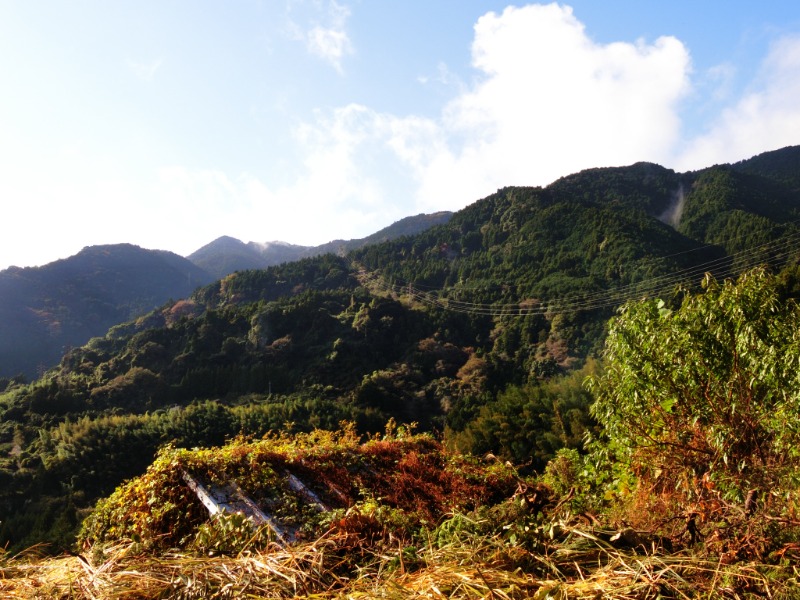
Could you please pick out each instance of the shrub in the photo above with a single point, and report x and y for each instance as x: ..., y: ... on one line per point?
x: 701, y: 402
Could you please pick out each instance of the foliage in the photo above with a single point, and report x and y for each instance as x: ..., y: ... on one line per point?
x: 230, y: 534
x: 516, y: 546
x: 399, y: 481
x: 528, y: 425
x: 701, y: 400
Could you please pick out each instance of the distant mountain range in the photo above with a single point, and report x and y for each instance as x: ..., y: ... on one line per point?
x: 46, y: 310
x: 226, y: 254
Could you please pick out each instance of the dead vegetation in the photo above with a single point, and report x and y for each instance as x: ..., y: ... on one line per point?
x: 395, y: 517
x: 466, y: 566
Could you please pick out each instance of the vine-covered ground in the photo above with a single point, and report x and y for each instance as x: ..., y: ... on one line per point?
x: 397, y: 516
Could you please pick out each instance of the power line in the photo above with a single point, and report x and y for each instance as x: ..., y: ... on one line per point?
x: 773, y: 251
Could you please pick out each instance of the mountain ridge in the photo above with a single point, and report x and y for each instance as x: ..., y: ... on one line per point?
x: 41, y: 309
x: 763, y: 185
x: 45, y: 310
x: 227, y: 254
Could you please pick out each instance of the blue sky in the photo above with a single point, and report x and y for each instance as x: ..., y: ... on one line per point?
x: 169, y: 123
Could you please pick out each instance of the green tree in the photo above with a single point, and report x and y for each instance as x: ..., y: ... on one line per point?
x: 529, y: 424
x: 702, y: 403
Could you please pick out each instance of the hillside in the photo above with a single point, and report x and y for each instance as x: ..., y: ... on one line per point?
x: 45, y: 311
x: 225, y: 255
x: 482, y: 328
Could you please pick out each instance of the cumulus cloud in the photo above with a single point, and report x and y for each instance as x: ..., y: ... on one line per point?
x: 551, y: 101
x: 329, y: 40
x: 767, y: 117
x: 548, y: 101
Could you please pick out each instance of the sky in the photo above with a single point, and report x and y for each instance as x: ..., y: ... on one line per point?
x: 169, y: 123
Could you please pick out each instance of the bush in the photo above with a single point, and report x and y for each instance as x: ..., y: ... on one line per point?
x: 701, y: 403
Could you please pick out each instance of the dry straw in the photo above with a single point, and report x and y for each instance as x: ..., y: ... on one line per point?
x: 469, y: 566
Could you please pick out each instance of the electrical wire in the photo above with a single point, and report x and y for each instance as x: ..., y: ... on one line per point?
x: 771, y: 252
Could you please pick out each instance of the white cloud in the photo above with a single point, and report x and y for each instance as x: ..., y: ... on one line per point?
x: 549, y: 102
x: 328, y: 40
x: 444, y: 76
x: 329, y: 44
x: 336, y: 194
x: 767, y: 117
x: 145, y: 71
x: 720, y: 79
x: 546, y: 100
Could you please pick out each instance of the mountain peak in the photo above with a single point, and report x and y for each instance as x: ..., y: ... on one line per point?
x: 227, y: 254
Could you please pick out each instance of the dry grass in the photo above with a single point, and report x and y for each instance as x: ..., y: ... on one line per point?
x: 372, y: 549
x: 469, y: 566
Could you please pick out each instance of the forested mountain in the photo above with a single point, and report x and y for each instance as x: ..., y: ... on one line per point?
x: 226, y: 254
x: 404, y: 227
x: 482, y: 327
x: 46, y: 310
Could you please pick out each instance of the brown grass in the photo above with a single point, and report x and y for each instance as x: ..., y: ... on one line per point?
x: 428, y: 526
x: 468, y: 566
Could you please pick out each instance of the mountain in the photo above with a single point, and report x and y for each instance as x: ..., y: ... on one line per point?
x: 226, y: 254
x: 781, y: 166
x: 46, y: 310
x: 483, y: 327
x: 404, y: 227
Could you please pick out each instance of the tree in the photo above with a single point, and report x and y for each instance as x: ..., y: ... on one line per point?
x: 529, y: 424
x: 702, y: 402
